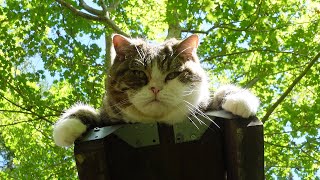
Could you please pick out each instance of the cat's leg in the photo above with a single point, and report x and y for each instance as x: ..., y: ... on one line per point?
x: 236, y: 100
x: 73, y: 123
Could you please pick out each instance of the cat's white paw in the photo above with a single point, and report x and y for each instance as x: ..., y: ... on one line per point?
x: 66, y: 131
x: 241, y: 103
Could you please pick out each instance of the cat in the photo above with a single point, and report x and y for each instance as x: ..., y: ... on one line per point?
x: 149, y: 83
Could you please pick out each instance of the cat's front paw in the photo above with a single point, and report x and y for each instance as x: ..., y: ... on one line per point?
x: 67, y: 130
x: 241, y: 103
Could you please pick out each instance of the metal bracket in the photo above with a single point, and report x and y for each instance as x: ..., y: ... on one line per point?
x: 140, y: 135
x: 99, y: 133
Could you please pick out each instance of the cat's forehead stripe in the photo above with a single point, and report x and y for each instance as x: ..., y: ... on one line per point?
x: 144, y: 56
x: 156, y: 73
x: 165, y: 61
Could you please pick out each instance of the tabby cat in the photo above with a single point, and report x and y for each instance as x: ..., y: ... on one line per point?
x: 153, y: 83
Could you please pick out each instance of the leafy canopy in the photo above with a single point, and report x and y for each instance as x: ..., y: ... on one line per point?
x: 55, y: 53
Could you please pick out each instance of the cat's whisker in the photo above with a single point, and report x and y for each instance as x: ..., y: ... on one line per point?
x: 167, y: 98
x: 189, y: 118
x: 181, y: 52
x: 140, y: 61
x: 118, y: 113
x: 200, y: 121
x: 203, y: 123
x: 142, y: 58
x: 114, y: 87
x: 138, y: 51
x: 186, y: 93
x: 193, y: 122
x: 196, y: 108
x: 193, y: 113
x: 122, y: 91
x: 122, y: 111
x: 120, y: 103
x: 191, y: 90
x: 202, y: 113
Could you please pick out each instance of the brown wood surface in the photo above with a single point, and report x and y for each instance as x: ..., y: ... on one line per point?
x: 244, y: 149
x: 233, y: 152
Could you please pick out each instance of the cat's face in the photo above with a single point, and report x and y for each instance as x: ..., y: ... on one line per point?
x: 150, y: 83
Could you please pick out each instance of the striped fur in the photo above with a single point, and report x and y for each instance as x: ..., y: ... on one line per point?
x: 153, y: 83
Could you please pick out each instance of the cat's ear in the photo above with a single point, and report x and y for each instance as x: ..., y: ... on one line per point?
x: 189, y: 45
x: 119, y: 48
x: 120, y: 43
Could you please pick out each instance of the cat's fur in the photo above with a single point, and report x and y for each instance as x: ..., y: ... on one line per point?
x: 153, y: 83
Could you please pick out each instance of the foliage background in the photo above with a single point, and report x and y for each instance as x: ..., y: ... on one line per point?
x: 55, y: 53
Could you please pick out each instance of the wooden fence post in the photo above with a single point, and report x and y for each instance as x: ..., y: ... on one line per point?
x: 229, y: 148
x: 244, y: 149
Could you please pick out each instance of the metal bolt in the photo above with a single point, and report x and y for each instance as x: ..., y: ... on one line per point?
x: 179, y: 137
x: 138, y: 143
x: 193, y: 137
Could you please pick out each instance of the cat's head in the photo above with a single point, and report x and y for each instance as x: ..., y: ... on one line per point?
x: 155, y: 82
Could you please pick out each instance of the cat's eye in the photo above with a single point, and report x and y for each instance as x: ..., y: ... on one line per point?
x: 139, y: 74
x: 172, y: 75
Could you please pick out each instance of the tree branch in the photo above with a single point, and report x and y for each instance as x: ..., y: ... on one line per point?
x: 19, y: 122
x: 307, y: 154
x: 53, y: 109
x: 77, y: 11
x: 104, y: 6
x: 194, y: 31
x: 281, y: 146
x: 252, y: 82
x: 101, y: 18
x: 315, y: 126
x: 285, y: 94
x: 247, y: 29
x: 285, y: 167
x: 91, y: 10
x: 108, y: 44
x: 28, y: 110
x: 256, y: 15
x: 174, y: 30
x: 14, y: 111
x: 112, y: 6
x: 113, y: 26
x: 17, y: 105
x: 253, y: 50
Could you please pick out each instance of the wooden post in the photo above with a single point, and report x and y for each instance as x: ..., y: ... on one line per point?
x: 230, y: 148
x: 244, y: 149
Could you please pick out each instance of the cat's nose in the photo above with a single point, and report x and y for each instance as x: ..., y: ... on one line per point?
x: 155, y: 90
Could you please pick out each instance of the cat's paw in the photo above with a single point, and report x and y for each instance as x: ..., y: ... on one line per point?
x: 67, y: 130
x: 241, y: 103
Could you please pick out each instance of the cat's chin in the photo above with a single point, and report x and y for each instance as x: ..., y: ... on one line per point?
x: 154, y: 109
x: 155, y: 103
x: 150, y: 112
